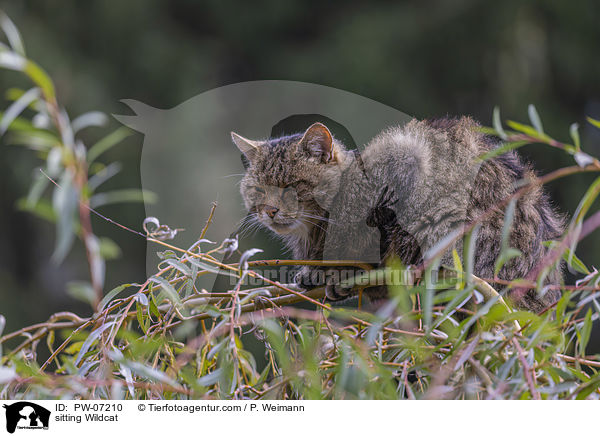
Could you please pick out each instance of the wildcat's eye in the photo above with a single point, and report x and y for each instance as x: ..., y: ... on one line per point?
x: 302, y: 188
x: 256, y: 193
x: 289, y: 194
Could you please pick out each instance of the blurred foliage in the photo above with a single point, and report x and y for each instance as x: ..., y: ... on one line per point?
x: 433, y: 59
x: 168, y: 339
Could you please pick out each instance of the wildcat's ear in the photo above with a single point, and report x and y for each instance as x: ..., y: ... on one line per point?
x: 246, y: 146
x: 318, y: 142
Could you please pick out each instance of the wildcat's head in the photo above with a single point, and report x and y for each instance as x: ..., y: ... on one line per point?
x: 290, y: 181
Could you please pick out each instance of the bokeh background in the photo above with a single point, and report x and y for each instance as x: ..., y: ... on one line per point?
x: 426, y: 59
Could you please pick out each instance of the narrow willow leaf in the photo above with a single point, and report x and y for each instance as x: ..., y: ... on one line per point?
x: 12, y: 61
x: 168, y: 289
x: 502, y: 150
x: 497, y: 123
x: 42, y: 209
x: 247, y: 255
x: 211, y: 378
x: 12, y: 34
x: 15, y: 109
x: 96, y: 261
x: 148, y: 372
x: 91, y: 339
x: 89, y: 119
x: 37, y: 188
x: 142, y: 319
x: 470, y: 241
x: 177, y: 264
x: 106, y: 173
x: 505, y: 256
x: 41, y: 78
x: 204, y: 266
x: 38, y: 140
x: 215, y: 349
x: 593, y: 122
x: 112, y: 294
x: 109, y: 249
x: 457, y: 262
x: 528, y: 130
x: 574, y: 132
x: 64, y: 202
x: 141, y: 298
x: 586, y: 202
x: 572, y: 260
x: 122, y: 196
x: 107, y: 143
x: 535, y: 118
x: 126, y: 373
x: 81, y: 291
x: 586, y: 330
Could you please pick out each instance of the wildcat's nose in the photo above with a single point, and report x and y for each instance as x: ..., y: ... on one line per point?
x: 271, y: 211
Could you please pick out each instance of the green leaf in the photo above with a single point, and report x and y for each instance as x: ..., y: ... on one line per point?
x: 12, y: 61
x: 210, y: 268
x: 112, y: 294
x: 109, y: 249
x: 502, y: 149
x: 506, y: 255
x: 593, y: 122
x: 586, y: 330
x: 175, y: 263
x: 570, y: 258
x: 39, y: 140
x: 15, y: 109
x: 145, y: 371
x: 588, y: 390
x: 574, y: 262
x: 211, y: 378
x: 586, y: 202
x: 41, y: 79
x: 20, y: 123
x: 42, y: 209
x: 89, y: 119
x: 574, y: 132
x: 528, y: 130
x: 170, y: 292
x: 90, y: 340
x: 107, y: 143
x: 12, y: 34
x: 142, y: 319
x: 103, y: 174
x: 122, y: 196
x: 37, y: 188
x: 535, y: 119
x: 561, y: 307
x: 64, y: 202
x: 81, y: 291
x: 497, y: 123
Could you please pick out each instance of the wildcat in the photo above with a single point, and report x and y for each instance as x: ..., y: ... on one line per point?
x: 410, y: 187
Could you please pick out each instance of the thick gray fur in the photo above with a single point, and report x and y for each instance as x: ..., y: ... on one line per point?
x: 410, y: 188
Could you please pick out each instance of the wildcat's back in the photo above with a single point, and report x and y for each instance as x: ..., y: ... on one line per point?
x: 450, y: 187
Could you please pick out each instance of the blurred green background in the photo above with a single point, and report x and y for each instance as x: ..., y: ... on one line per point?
x: 426, y: 59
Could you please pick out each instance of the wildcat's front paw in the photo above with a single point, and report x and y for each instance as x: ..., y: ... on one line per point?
x: 335, y: 292
x: 309, y: 277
